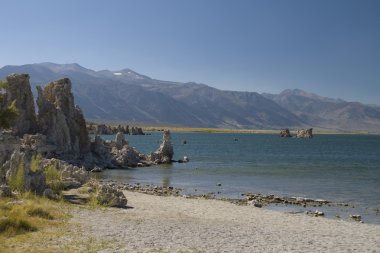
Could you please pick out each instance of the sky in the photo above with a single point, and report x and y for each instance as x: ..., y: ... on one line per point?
x: 329, y: 47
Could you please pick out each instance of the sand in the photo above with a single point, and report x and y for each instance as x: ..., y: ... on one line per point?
x: 177, y: 224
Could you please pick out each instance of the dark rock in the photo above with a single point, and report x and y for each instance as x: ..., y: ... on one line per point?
x: 70, y: 183
x: 97, y: 169
x: 48, y: 193
x: 5, y: 191
x: 318, y: 213
x: 356, y: 217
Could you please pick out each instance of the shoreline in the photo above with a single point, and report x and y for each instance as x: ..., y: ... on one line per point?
x: 183, y: 129
x: 174, y: 224
x: 166, y: 224
x: 280, y: 203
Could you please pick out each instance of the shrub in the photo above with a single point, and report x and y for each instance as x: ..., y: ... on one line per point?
x: 39, y: 212
x: 35, y: 163
x: 7, y: 114
x: 17, y: 181
x: 53, y: 178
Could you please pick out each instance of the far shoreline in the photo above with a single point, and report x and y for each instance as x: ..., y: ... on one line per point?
x: 148, y: 127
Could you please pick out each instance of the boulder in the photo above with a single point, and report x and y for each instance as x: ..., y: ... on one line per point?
x: 110, y: 196
x: 48, y: 193
x: 305, y: 133
x: 97, y: 169
x: 19, y: 90
x: 5, y: 191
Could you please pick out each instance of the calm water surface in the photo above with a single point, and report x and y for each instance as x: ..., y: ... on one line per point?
x: 339, y: 168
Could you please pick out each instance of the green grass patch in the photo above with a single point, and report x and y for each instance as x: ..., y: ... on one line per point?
x: 17, y: 181
x: 35, y: 163
x: 53, y: 178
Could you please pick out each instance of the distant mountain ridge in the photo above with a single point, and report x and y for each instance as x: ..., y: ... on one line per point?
x: 126, y: 95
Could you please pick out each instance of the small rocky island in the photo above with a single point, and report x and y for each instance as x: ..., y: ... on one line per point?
x: 301, y: 133
x: 58, y: 136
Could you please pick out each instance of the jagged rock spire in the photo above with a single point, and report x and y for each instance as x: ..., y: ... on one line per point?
x: 60, y: 120
x: 19, y: 90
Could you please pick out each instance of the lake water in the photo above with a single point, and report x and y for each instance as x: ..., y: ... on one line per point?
x: 338, y: 168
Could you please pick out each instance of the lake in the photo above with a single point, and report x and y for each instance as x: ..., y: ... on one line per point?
x: 338, y: 168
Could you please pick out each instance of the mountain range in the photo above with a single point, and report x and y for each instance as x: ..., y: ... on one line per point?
x: 128, y: 96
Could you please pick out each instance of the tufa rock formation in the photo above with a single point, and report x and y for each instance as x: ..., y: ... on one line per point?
x: 120, y: 140
x: 285, y: 133
x: 137, y: 131
x: 62, y: 132
x: 8, y: 143
x: 103, y: 129
x: 305, y: 133
x: 164, y: 153
x: 20, y: 91
x: 61, y: 121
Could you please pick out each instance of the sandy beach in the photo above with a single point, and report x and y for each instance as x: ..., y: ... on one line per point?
x: 176, y: 224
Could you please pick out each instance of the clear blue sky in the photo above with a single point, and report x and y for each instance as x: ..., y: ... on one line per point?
x: 330, y: 47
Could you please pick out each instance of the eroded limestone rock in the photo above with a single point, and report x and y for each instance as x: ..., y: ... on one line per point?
x: 61, y: 121
x: 164, y: 153
x: 127, y: 156
x: 305, y: 133
x: 19, y: 90
x: 18, y: 166
x: 285, y: 133
x: 120, y: 140
x: 111, y: 196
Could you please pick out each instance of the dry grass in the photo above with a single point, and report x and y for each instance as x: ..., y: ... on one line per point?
x: 36, y: 224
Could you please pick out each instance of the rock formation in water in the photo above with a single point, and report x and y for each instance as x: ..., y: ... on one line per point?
x: 137, y: 131
x: 124, y: 155
x: 61, y: 121
x: 19, y: 90
x: 164, y: 154
x: 305, y: 133
x: 285, y: 133
x: 101, y: 153
x: 120, y: 140
x: 103, y: 129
